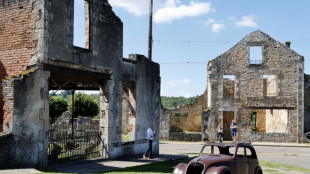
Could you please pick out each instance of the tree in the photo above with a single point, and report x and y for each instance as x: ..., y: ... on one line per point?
x: 84, y: 105
x: 65, y: 93
x: 58, y: 105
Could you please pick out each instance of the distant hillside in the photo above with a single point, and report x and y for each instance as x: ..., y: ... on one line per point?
x: 172, y: 102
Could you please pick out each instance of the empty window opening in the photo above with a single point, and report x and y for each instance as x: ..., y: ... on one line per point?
x: 269, y: 120
x: 256, y: 55
x: 128, y: 115
x: 81, y: 24
x: 228, y: 85
x: 269, y: 85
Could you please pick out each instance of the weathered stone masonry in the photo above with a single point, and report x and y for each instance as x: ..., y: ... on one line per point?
x: 37, y: 55
x: 274, y: 88
x: 18, y: 44
x: 284, y: 106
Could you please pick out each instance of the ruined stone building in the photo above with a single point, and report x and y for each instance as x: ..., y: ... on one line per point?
x: 37, y: 55
x: 261, y: 84
x: 185, y: 118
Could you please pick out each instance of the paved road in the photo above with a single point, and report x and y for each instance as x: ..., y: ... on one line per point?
x: 296, y: 156
x: 293, y: 154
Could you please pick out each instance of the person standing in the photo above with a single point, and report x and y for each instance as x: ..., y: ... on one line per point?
x: 233, y: 128
x: 149, y: 137
x: 220, y: 133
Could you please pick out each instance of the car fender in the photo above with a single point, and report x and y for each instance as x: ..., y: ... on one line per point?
x: 218, y: 170
x: 180, y: 168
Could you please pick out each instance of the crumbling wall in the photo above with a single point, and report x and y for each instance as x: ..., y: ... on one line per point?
x: 38, y: 38
x: 164, y: 123
x: 147, y: 95
x: 19, y: 30
x: 188, y: 117
x: 307, y: 102
x: 27, y: 143
x: 277, y: 61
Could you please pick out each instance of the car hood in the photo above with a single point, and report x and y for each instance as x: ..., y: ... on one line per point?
x: 210, y: 159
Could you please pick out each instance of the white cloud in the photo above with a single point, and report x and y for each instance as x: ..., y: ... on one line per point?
x: 217, y: 27
x: 163, y: 93
x: 231, y: 18
x: 186, y: 80
x: 173, y: 83
x: 183, y: 94
x: 137, y: 7
x: 247, y: 21
x: 209, y: 21
x: 173, y: 10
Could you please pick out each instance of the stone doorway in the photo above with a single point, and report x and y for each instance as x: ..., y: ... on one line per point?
x: 227, y: 117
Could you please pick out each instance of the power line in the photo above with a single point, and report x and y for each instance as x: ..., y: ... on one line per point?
x: 167, y: 63
x: 183, y: 63
x: 201, y: 41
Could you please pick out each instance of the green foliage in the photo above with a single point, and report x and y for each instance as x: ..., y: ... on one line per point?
x: 65, y: 93
x: 84, y: 105
x: 173, y: 102
x: 58, y: 105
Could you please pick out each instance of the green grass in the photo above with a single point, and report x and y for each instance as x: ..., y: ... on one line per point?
x: 285, y: 167
x: 167, y: 167
x: 125, y: 137
x: 152, y: 168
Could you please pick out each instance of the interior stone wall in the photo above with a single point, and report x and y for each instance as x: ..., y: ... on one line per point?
x: 191, y: 122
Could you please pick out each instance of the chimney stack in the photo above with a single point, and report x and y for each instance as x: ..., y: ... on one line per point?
x: 288, y: 44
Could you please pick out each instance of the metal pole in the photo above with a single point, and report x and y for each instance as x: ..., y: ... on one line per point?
x: 72, y: 107
x: 150, y: 31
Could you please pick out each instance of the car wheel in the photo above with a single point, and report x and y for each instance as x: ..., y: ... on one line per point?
x: 259, y: 171
x: 225, y: 171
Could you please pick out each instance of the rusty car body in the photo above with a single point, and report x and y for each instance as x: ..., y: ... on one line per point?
x: 222, y: 158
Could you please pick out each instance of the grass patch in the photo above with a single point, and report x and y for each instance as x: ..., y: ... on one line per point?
x: 125, y: 137
x: 165, y: 167
x: 271, y: 171
x: 154, y: 168
x: 285, y: 167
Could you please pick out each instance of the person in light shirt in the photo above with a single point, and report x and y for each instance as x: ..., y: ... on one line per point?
x: 149, y: 136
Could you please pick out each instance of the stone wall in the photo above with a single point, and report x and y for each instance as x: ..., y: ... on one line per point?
x: 38, y: 55
x: 188, y: 117
x: 29, y: 133
x: 185, y: 136
x: 307, y: 102
x: 164, y: 123
x: 277, y: 61
x: 19, y: 22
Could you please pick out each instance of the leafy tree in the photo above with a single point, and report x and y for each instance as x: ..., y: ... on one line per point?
x: 58, y: 105
x: 172, y: 102
x: 65, y: 93
x: 84, y: 105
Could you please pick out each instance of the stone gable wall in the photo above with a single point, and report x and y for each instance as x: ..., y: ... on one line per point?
x: 277, y: 60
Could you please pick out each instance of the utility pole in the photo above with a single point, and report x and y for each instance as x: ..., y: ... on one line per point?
x: 150, y: 31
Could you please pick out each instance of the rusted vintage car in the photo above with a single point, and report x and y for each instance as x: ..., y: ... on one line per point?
x: 222, y: 158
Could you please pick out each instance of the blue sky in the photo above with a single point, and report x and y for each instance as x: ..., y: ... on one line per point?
x: 198, y: 31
